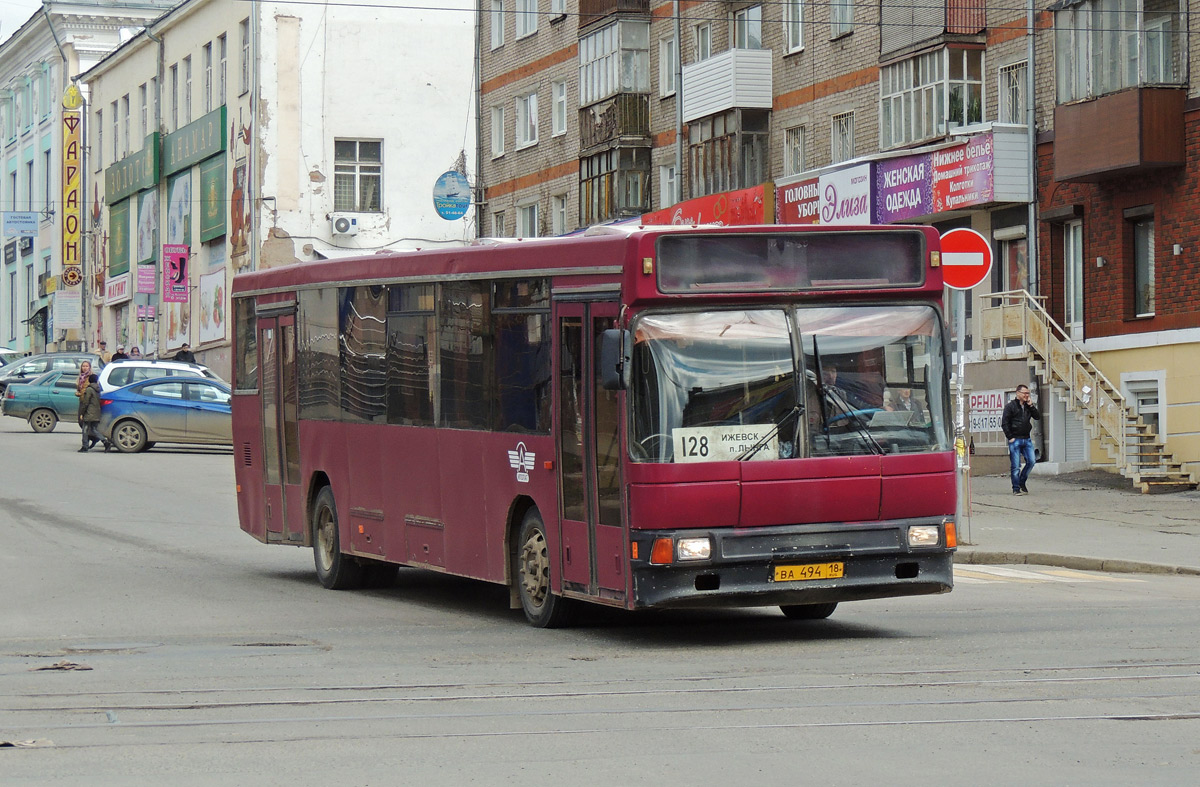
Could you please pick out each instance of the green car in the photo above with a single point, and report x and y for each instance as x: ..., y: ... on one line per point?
x: 44, y: 400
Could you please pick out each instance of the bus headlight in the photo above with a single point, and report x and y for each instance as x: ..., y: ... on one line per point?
x: 693, y: 549
x: 923, y: 536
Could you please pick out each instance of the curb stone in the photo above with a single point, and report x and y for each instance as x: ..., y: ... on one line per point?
x: 1079, y: 563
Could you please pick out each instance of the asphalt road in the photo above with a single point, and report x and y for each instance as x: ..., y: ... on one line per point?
x: 213, y: 659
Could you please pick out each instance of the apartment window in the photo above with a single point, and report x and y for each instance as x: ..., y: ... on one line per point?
x: 668, y: 186
x: 613, y: 184
x: 358, y: 175
x: 527, y: 221
x: 12, y: 180
x: 527, y: 120
x: 728, y: 151
x: 793, y: 25
x: 747, y: 28
x: 498, y: 224
x: 125, y: 123
x: 793, y: 150
x: 244, y: 26
x: 703, y: 35
x: 29, y: 185
x: 187, y: 90
x: 208, y: 78
x: 558, y: 214
x: 497, y: 131
x: 99, y: 126
x: 1103, y: 46
x: 48, y: 181
x: 614, y: 59
x: 154, y: 109
x: 497, y: 23
x: 558, y: 8
x: 842, y: 137
x: 116, y: 135
x: 175, y: 98
x: 559, y: 116
x: 1143, y: 267
x: 526, y: 18
x: 1012, y: 93
x: 923, y: 96
x: 668, y: 65
x: 841, y: 17
x: 145, y: 110
x: 223, y: 55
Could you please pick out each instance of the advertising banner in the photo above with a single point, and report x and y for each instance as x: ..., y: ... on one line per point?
x: 116, y: 289
x: 962, y: 175
x: 118, y: 239
x: 799, y: 203
x: 903, y: 188
x: 72, y: 214
x: 20, y: 223
x: 212, y: 198
x: 147, y: 232
x: 212, y: 307
x: 175, y: 273
x: 729, y: 208
x: 147, y: 279
x: 845, y: 196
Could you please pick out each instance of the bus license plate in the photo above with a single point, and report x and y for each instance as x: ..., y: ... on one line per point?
x: 809, y: 571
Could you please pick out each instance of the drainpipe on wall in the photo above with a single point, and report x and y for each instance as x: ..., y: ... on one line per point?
x: 1031, y: 120
x: 678, y: 103
x: 159, y: 343
x: 252, y: 148
x: 480, y: 205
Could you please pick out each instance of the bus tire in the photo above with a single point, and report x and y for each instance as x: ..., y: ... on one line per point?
x: 531, y: 572
x: 809, y: 611
x: 335, y: 570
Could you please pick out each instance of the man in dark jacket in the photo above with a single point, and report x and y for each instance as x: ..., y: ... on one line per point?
x: 1017, y: 422
x: 185, y: 354
x: 89, y: 414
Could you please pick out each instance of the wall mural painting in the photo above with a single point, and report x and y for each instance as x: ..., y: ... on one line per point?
x: 212, y: 307
x: 147, y: 236
x: 239, y: 195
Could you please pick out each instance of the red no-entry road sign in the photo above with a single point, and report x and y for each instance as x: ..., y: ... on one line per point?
x: 966, y: 258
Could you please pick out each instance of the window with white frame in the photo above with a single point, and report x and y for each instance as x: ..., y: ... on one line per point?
x: 793, y: 150
x: 187, y: 90
x: 925, y: 95
x: 614, y: 59
x: 558, y: 214
x: 245, y: 30
x: 668, y: 186
x: 1012, y: 93
x: 1143, y: 390
x: 527, y: 120
x: 223, y: 55
x: 793, y: 25
x: 703, y: 35
x: 526, y: 18
x: 358, y: 175
x: 496, y: 22
x: 747, y: 28
x: 668, y: 66
x: 497, y: 131
x: 125, y: 125
x: 1143, y: 267
x: 558, y: 117
x: 558, y: 8
x: 498, y: 224
x: 143, y: 98
x: 842, y: 137
x: 208, y: 77
x: 1102, y: 46
x: 116, y: 133
x: 527, y: 220
x: 47, y: 181
x: 175, y: 97
x: 99, y: 126
x: 841, y: 17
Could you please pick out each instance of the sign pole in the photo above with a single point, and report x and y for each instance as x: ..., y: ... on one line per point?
x: 960, y: 445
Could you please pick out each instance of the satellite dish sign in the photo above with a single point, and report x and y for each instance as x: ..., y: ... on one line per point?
x: 452, y: 195
x: 966, y: 259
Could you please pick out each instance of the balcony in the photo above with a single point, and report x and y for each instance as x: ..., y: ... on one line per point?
x: 905, y: 25
x: 1119, y: 134
x: 593, y: 10
x: 621, y: 117
x: 735, y: 78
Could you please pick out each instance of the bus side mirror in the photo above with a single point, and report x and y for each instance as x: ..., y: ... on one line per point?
x: 614, y: 359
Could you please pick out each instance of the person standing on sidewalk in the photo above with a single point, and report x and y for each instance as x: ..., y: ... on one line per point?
x: 1017, y: 423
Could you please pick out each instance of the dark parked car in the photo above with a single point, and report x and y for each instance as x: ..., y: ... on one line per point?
x: 26, y: 369
x: 167, y: 410
x: 43, y: 401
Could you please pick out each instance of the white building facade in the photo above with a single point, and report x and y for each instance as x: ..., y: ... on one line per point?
x: 231, y: 136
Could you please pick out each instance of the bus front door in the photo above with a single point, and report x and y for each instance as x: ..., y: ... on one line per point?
x: 283, y: 495
x: 591, y: 535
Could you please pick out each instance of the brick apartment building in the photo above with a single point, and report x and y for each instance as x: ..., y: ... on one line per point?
x: 880, y: 112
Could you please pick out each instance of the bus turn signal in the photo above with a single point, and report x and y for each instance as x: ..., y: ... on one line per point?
x: 663, y: 551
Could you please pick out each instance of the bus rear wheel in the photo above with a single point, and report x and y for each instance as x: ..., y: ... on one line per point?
x: 808, y: 611
x: 335, y: 570
x: 531, y: 572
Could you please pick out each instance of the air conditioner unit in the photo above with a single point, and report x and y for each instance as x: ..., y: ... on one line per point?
x: 343, y: 225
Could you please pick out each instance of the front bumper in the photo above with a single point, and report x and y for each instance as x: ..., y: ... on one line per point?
x: 877, y: 562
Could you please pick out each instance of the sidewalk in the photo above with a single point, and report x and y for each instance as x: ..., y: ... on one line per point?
x: 1092, y: 521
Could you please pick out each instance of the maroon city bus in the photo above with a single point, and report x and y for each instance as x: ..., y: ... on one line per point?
x: 646, y: 418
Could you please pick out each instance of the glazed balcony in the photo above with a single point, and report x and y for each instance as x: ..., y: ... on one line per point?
x: 733, y: 79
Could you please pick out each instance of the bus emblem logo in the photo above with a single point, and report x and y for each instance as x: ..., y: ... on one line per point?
x: 522, y: 461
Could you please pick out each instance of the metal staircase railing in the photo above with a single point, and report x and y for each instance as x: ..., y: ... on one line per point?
x: 1062, y: 363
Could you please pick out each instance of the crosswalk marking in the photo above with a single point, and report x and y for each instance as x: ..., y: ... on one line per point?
x: 991, y: 574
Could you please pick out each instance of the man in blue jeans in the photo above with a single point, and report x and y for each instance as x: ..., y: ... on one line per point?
x: 1017, y: 423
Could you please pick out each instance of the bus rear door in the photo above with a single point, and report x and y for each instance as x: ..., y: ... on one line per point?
x: 587, y: 423
x: 283, y: 495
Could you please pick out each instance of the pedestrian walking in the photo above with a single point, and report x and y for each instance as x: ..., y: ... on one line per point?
x: 1017, y: 423
x: 81, y: 381
x: 89, y: 415
x: 119, y: 355
x: 105, y: 355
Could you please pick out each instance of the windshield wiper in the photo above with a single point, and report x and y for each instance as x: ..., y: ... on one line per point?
x: 856, y: 419
x: 826, y: 394
x: 762, y: 441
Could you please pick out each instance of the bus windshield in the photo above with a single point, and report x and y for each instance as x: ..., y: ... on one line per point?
x: 783, y: 383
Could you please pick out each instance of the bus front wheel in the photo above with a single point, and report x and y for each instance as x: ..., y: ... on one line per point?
x: 809, y: 611
x: 531, y: 572
x: 336, y: 571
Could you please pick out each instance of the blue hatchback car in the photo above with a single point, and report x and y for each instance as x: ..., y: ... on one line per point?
x: 192, y: 410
